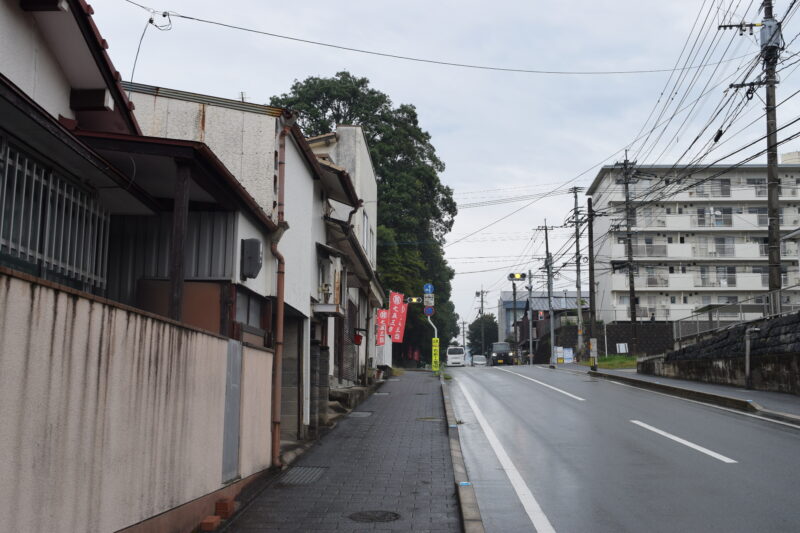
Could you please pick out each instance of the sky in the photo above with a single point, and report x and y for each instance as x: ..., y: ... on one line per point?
x: 502, y: 135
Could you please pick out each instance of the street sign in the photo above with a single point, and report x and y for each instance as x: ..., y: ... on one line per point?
x: 427, y: 288
x: 428, y: 311
x: 427, y: 300
x: 435, y: 354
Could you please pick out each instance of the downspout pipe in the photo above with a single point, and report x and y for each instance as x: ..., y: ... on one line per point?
x: 277, y: 363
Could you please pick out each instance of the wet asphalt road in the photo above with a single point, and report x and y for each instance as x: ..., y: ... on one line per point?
x: 605, y: 457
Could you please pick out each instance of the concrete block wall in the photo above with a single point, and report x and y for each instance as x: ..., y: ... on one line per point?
x: 111, y: 416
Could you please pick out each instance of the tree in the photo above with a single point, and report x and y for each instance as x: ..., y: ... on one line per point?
x: 416, y: 210
x: 489, y: 332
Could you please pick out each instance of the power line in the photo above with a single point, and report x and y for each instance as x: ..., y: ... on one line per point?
x: 419, y: 59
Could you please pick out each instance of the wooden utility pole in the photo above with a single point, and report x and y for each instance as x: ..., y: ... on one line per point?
x: 578, y: 306
x: 464, y: 334
x: 549, y: 266
x: 483, y: 334
x: 627, y: 172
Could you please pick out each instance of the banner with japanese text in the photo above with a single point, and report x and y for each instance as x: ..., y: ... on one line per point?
x: 382, y: 321
x: 400, y: 328
x: 395, y: 304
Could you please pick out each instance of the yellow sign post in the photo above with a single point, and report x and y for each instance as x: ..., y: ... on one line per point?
x: 435, y: 354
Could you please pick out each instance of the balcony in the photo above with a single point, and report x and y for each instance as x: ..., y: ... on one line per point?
x: 710, y: 221
x: 720, y: 250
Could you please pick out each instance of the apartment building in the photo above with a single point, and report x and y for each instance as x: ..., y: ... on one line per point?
x: 699, y: 238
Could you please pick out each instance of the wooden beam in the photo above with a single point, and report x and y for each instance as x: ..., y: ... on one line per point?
x: 43, y: 5
x: 177, y: 245
x: 91, y: 100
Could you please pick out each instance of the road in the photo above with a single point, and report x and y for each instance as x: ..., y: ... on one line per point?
x: 569, y: 453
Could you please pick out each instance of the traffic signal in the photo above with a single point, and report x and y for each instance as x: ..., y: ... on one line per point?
x: 413, y: 300
x: 517, y: 276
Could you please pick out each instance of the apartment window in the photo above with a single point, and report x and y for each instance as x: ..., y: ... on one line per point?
x: 682, y: 240
x: 680, y: 210
x: 669, y: 240
x: 672, y: 299
x: 685, y: 299
x: 669, y: 211
x: 365, y: 235
x: 706, y: 300
x: 683, y: 269
x: 672, y: 270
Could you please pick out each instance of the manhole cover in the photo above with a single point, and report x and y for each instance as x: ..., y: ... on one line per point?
x: 380, y: 394
x: 429, y: 419
x: 374, y: 516
x: 302, y: 475
x: 360, y: 414
x: 422, y: 394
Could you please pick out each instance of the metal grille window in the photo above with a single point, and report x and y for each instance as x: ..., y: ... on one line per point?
x: 46, y: 220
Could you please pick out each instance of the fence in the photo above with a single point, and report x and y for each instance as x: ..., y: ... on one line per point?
x: 711, y: 318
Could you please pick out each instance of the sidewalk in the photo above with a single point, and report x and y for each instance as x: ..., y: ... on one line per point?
x: 775, y: 402
x: 390, y: 455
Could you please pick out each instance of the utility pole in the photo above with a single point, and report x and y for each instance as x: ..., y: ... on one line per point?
x: 548, y: 262
x: 578, y: 306
x: 483, y: 335
x: 627, y: 172
x: 771, y: 47
x: 530, y: 317
x: 463, y: 334
x: 592, y: 290
x: 514, y: 322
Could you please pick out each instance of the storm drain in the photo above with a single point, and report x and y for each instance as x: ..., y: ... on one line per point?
x: 380, y: 394
x: 430, y: 419
x: 302, y: 475
x: 393, y: 379
x: 421, y: 393
x: 360, y: 414
x: 374, y: 516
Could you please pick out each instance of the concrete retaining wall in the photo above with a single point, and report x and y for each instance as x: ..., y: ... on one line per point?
x: 110, y: 416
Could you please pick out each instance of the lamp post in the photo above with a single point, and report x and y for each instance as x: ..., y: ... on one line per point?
x: 514, y: 277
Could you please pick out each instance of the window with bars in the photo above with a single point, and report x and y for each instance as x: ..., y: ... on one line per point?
x: 49, y: 221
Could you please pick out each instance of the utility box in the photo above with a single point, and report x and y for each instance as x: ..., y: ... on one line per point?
x: 252, y: 258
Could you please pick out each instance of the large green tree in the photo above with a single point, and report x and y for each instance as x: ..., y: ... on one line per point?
x: 489, y: 333
x: 415, y: 210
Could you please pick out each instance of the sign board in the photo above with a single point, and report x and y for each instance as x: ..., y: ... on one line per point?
x: 427, y: 300
x: 395, y: 303
x: 559, y: 351
x: 569, y: 355
x: 382, y: 321
x: 400, y: 328
x: 593, y: 347
x: 622, y: 347
x: 428, y: 311
x: 427, y: 288
x: 435, y: 354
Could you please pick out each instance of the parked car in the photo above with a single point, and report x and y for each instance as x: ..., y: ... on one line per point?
x: 478, y: 360
x: 455, y: 356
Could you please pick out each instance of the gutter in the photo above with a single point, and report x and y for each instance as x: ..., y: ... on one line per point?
x: 277, y: 363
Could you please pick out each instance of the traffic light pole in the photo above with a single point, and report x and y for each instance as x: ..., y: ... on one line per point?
x: 549, y: 265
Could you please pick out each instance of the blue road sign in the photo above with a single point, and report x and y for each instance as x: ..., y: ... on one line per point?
x: 427, y: 288
x: 428, y: 311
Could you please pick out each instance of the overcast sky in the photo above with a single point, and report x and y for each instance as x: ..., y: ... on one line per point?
x: 501, y: 134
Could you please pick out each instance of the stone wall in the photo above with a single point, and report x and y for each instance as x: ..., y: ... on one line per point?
x: 774, y: 353
x: 653, y: 338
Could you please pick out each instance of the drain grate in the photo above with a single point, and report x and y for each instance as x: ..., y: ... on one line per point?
x: 302, y: 475
x: 430, y: 419
x: 360, y: 414
x: 380, y: 394
x: 393, y: 379
x: 421, y: 393
x: 374, y: 516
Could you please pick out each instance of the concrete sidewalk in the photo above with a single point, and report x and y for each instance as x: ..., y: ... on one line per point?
x: 767, y: 403
x: 391, y: 456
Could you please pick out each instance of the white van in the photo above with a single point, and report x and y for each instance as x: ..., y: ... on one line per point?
x: 455, y: 356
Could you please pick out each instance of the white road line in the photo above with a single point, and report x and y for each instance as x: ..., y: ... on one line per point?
x: 529, y: 503
x: 543, y: 384
x: 685, y: 442
x: 734, y: 411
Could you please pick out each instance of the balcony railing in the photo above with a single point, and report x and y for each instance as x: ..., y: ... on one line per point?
x: 715, y: 281
x: 720, y: 250
x: 650, y: 250
x: 710, y: 221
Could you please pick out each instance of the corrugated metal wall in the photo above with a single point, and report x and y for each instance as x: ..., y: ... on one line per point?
x: 139, y: 248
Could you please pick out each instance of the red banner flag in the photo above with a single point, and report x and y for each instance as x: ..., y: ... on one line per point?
x: 382, y: 320
x: 400, y: 328
x: 395, y: 304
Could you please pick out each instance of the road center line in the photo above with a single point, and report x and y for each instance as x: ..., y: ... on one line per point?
x: 529, y: 503
x: 692, y: 445
x: 543, y: 384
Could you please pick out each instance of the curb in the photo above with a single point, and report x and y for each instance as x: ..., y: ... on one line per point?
x: 471, y: 521
x: 707, y: 397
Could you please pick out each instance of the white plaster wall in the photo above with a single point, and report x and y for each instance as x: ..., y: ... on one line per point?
x: 112, y: 417
x: 243, y: 141
x: 26, y: 60
x: 264, y: 283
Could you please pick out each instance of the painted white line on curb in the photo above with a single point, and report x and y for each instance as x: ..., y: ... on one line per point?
x: 543, y: 384
x: 685, y: 442
x: 529, y: 503
x: 734, y: 411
